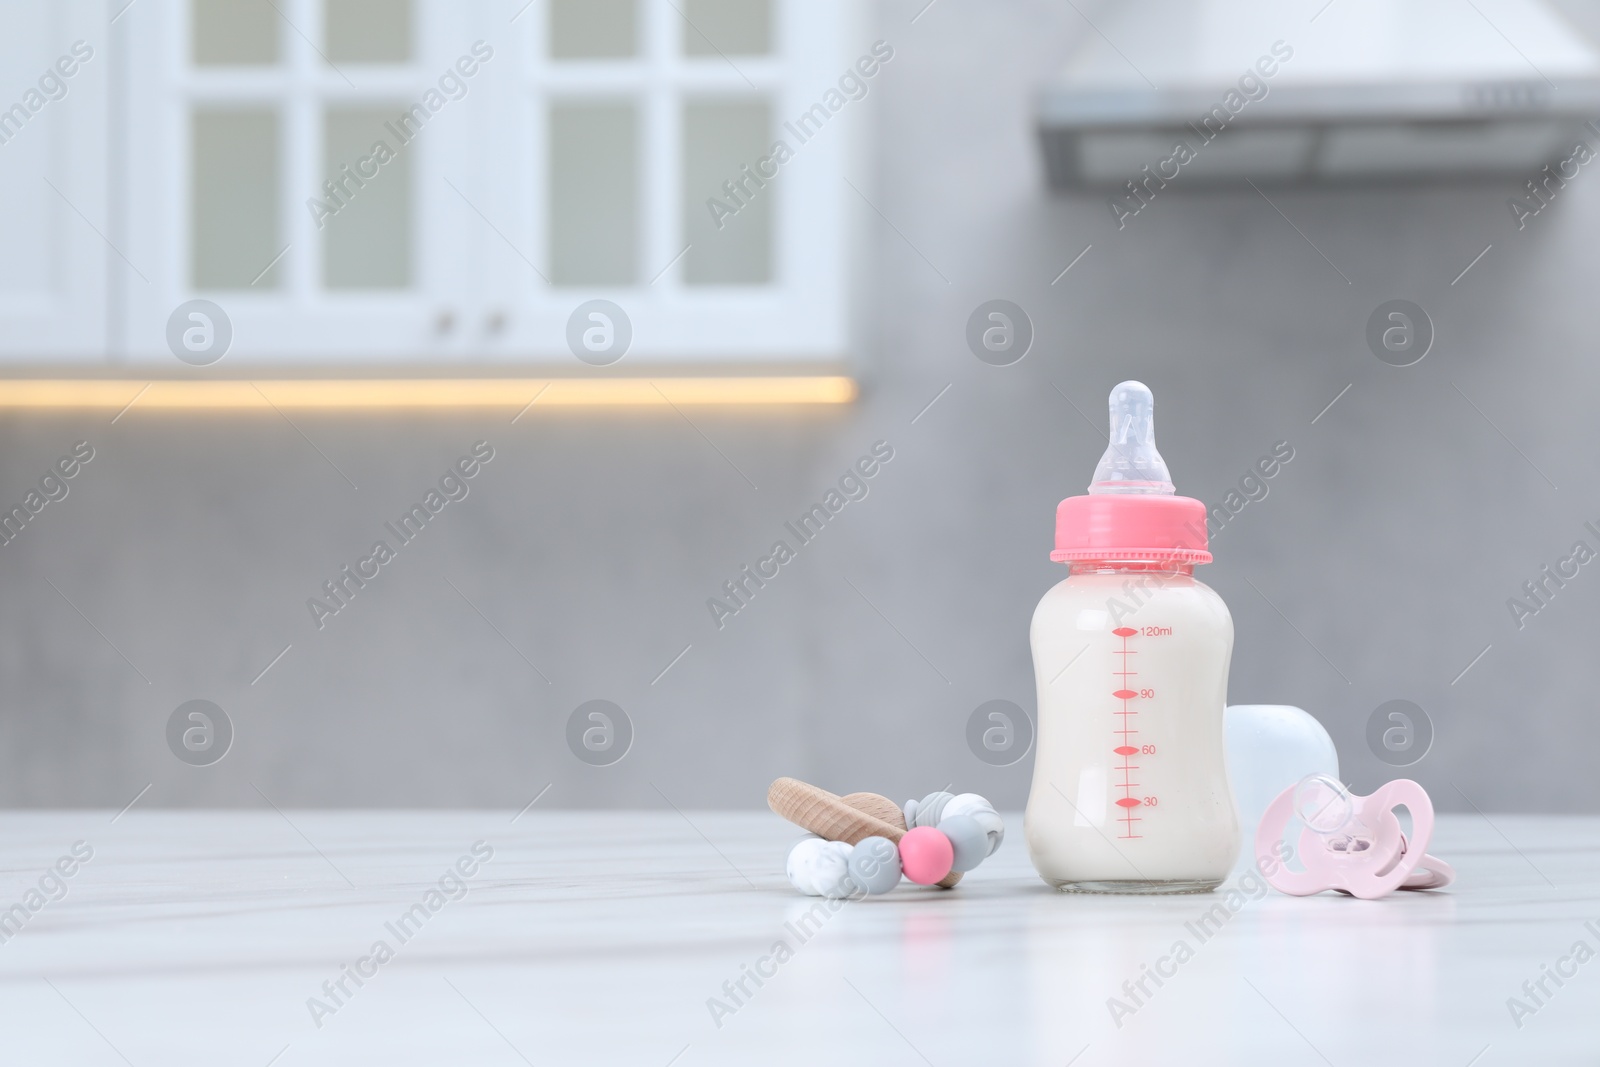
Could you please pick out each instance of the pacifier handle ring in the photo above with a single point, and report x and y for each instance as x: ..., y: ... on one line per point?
x: 1431, y: 873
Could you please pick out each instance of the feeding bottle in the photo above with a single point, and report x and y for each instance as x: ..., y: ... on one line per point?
x: 1130, y: 655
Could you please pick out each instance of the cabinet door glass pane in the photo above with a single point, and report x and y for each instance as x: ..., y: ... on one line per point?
x: 366, y: 241
x: 727, y: 210
x: 30, y: 155
x: 593, y: 29
x: 594, y: 193
x: 727, y: 27
x: 235, y: 32
x: 234, y: 224
x: 368, y: 31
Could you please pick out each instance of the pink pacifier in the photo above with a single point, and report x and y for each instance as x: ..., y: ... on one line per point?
x: 1351, y: 843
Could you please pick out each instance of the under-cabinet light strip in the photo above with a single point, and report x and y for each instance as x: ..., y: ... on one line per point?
x: 351, y: 393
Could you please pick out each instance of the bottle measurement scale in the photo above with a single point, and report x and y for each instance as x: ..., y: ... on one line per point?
x: 1128, y: 692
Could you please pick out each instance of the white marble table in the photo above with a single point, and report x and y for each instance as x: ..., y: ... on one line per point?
x: 198, y: 938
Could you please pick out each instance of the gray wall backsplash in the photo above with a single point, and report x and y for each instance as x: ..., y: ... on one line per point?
x: 1377, y: 567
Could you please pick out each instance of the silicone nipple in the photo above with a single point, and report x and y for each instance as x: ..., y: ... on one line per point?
x: 1131, y: 463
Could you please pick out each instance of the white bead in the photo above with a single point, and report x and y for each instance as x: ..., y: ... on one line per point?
x: 820, y: 868
x: 831, y: 873
x: 801, y: 866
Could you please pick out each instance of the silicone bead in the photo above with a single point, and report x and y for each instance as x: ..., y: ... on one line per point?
x: 875, y: 865
x: 802, y: 858
x: 832, y: 870
x: 820, y: 868
x: 967, y: 839
x: 925, y: 855
x: 981, y: 810
x: 927, y: 811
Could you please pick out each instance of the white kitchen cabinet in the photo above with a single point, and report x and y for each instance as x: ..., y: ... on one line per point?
x: 534, y: 158
x: 56, y: 256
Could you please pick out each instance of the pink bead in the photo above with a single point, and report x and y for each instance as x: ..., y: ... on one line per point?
x: 925, y: 855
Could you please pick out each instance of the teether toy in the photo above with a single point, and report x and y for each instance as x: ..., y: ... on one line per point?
x: 828, y: 816
x: 931, y: 843
x: 1351, y: 843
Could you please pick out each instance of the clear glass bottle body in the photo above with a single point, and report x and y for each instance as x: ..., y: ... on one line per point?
x: 1130, y: 783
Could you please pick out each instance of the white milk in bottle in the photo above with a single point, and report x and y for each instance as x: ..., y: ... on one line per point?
x: 1130, y: 655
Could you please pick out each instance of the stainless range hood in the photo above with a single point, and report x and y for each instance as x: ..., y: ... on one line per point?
x: 1352, y: 90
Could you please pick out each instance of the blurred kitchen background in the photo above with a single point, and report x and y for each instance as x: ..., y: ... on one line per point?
x: 574, y: 165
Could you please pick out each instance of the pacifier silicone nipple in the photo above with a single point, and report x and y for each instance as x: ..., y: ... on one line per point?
x: 1131, y: 463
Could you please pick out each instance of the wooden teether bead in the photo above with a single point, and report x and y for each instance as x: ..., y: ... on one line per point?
x: 880, y: 807
x: 825, y: 814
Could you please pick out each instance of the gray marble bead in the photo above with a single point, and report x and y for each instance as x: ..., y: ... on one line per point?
x: 926, y: 812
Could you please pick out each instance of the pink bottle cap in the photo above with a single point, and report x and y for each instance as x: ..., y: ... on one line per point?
x: 1131, y: 512
x: 1170, y: 529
